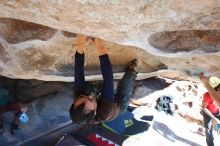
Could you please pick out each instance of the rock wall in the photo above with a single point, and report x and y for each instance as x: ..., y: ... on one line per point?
x: 170, y: 38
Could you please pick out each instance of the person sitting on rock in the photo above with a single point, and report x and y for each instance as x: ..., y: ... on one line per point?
x: 93, y: 109
x: 7, y: 106
x: 210, y: 107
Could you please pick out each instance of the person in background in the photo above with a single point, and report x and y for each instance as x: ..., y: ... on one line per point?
x: 7, y: 106
x: 93, y: 108
x: 209, y: 107
x: 213, y: 93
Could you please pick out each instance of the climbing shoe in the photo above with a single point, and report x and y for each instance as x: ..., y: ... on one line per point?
x: 133, y: 64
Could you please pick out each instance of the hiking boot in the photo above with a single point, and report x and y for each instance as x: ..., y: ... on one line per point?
x: 1, y: 127
x: 14, y: 128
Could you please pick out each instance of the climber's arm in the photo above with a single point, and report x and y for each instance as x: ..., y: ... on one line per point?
x: 107, y: 91
x: 79, y: 66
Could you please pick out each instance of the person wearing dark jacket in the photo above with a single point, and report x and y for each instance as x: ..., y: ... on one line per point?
x: 93, y: 109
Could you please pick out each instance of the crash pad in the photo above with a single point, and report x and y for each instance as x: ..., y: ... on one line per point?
x: 126, y: 124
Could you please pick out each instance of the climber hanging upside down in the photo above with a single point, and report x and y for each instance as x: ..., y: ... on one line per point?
x: 91, y: 108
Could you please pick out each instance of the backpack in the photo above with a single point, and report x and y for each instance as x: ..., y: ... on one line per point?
x: 164, y: 104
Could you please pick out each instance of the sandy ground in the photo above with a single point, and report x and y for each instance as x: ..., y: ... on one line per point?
x: 166, y: 130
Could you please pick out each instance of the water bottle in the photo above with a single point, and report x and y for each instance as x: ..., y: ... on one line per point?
x: 24, y: 117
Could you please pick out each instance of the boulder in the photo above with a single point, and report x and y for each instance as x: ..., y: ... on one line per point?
x: 170, y: 38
